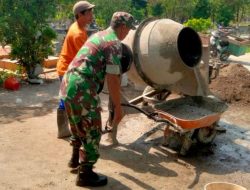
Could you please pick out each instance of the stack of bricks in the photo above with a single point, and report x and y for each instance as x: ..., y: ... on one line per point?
x: 13, y: 65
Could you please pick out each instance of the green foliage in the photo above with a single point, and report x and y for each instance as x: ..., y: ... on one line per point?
x: 5, y: 74
x: 199, y: 25
x: 139, y: 14
x: 63, y: 10
x: 202, y: 9
x: 139, y: 3
x: 177, y: 10
x: 155, y: 9
x: 226, y: 11
x: 225, y: 14
x: 24, y: 25
x: 30, y: 18
x: 104, y: 9
x: 100, y: 22
x: 218, y: 11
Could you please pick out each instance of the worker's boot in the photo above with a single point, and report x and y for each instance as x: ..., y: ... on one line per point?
x: 74, y: 160
x: 62, y: 124
x: 87, y: 177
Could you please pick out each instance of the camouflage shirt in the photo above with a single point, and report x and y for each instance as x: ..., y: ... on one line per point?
x: 100, y: 54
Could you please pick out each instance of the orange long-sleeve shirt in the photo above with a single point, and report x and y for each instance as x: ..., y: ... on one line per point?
x: 74, y: 40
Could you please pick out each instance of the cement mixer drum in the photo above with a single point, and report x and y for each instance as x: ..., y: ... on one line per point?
x: 165, y: 55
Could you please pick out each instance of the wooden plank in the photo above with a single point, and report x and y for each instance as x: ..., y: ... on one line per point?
x: 10, y: 64
x: 238, y: 41
x: 50, y: 62
x: 13, y: 65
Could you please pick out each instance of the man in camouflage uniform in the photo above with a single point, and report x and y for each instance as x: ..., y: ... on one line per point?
x: 75, y: 38
x: 98, y: 58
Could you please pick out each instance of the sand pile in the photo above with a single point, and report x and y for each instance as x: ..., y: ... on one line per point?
x: 232, y: 85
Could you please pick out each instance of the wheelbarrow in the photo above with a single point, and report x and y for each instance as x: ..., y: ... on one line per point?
x: 188, y: 120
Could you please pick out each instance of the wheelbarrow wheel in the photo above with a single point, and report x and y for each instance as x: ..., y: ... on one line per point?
x: 206, y: 135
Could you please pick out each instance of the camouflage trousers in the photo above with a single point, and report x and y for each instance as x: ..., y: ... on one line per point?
x: 83, y: 109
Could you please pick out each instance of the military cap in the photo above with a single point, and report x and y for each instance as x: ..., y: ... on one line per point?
x: 123, y: 18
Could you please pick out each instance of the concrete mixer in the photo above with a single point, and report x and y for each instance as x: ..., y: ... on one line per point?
x: 168, y: 56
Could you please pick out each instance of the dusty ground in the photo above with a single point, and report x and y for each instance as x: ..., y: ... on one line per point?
x: 32, y: 157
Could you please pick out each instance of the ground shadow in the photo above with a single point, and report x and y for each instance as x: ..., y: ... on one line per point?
x: 113, y: 184
x: 138, y: 182
x: 19, y: 113
x: 29, y: 101
x: 137, y: 157
x: 229, y: 154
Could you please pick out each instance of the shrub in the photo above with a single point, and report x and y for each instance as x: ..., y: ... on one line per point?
x: 25, y: 26
x: 199, y: 25
x: 4, y: 74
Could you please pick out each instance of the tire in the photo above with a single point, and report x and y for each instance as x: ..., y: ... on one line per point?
x: 206, y: 135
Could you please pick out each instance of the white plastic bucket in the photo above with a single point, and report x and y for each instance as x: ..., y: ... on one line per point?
x: 223, y: 186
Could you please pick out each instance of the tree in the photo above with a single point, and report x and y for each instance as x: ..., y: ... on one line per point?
x: 139, y: 3
x: 202, y: 9
x: 241, y: 9
x: 225, y: 11
x: 105, y: 8
x: 24, y: 24
x: 178, y: 10
x: 225, y: 14
x: 155, y: 8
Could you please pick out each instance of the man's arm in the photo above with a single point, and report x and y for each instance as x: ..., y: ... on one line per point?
x: 113, y: 82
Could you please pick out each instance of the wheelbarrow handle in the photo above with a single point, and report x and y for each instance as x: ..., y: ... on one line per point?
x: 152, y: 115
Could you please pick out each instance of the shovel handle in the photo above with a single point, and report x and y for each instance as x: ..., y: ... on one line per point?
x: 152, y: 115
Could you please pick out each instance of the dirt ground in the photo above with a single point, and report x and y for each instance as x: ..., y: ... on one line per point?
x: 31, y: 156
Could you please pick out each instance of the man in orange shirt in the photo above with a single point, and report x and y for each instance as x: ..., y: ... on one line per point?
x: 75, y: 38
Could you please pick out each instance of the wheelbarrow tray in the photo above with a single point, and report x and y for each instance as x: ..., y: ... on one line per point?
x: 191, y: 112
